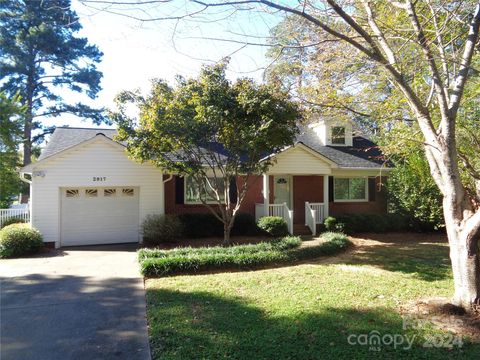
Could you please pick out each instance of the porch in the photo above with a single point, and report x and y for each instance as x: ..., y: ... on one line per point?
x: 301, y: 200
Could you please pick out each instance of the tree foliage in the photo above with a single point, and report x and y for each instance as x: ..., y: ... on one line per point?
x: 211, y: 130
x: 10, y: 136
x: 41, y: 57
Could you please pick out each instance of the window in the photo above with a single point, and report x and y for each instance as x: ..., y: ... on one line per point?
x: 128, y: 192
x: 91, y: 193
x: 70, y: 193
x: 338, y: 135
x: 109, y: 192
x: 194, y: 193
x: 350, y: 189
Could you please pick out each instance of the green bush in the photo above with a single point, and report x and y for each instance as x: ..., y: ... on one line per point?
x: 154, y: 262
x: 333, y: 224
x: 245, y: 225
x: 413, y: 194
x: 273, y: 225
x: 160, y: 229
x: 12, y: 220
x: 378, y: 223
x: 207, y: 225
x: 19, y: 239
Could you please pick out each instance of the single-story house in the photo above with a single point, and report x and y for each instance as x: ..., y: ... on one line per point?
x: 85, y: 190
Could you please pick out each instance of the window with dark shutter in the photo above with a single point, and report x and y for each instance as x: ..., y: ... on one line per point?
x: 233, y: 191
x: 371, y: 189
x: 179, y: 189
x: 330, y: 188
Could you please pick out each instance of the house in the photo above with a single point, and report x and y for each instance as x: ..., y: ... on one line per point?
x: 85, y: 190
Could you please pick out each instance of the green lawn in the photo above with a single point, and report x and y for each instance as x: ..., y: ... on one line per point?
x: 305, y: 311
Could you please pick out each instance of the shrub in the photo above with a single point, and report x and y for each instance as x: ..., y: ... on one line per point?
x: 159, y: 229
x: 354, y: 223
x: 207, y: 225
x: 245, y: 225
x: 18, y: 240
x: 154, y: 262
x: 330, y: 223
x: 200, y: 225
x: 12, y: 220
x: 333, y: 224
x: 273, y: 225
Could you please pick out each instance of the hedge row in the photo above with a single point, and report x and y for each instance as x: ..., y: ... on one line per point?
x: 154, y: 262
x: 378, y: 223
x: 207, y: 225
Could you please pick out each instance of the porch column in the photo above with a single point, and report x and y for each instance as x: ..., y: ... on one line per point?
x: 325, y: 196
x: 266, y: 194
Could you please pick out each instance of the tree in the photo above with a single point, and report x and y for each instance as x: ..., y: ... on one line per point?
x: 424, y: 49
x: 39, y: 53
x: 211, y: 131
x: 10, y: 135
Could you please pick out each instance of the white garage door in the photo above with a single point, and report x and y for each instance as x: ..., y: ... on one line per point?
x: 99, y: 215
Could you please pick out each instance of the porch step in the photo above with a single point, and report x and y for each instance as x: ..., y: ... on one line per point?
x: 300, y: 229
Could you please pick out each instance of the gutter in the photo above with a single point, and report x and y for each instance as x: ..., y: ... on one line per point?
x: 24, y: 179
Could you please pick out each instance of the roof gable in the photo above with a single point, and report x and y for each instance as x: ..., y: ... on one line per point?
x: 299, y: 159
x: 96, y: 138
x: 65, y: 137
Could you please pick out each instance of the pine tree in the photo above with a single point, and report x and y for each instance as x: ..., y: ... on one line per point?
x: 40, y: 57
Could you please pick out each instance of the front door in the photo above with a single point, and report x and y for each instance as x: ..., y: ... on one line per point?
x: 282, y: 190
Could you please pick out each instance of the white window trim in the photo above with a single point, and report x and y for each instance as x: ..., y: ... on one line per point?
x: 344, y: 135
x: 353, y: 200
x: 187, y: 202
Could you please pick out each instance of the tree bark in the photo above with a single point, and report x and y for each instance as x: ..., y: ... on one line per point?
x: 464, y: 256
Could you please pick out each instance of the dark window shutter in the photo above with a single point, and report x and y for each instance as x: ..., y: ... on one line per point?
x: 179, y: 190
x: 371, y: 189
x: 330, y: 188
x: 233, y: 191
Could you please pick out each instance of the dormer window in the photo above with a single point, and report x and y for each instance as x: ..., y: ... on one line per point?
x: 338, y: 135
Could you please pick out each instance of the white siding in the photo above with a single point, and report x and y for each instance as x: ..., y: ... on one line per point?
x: 321, y: 131
x: 77, y: 168
x: 297, y: 160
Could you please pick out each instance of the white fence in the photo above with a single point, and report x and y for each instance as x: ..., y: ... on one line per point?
x: 280, y: 210
x: 314, y: 214
x: 20, y: 214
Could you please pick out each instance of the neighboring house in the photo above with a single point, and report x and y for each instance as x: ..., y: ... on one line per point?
x: 85, y: 189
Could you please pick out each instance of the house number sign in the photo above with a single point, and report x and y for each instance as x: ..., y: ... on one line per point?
x: 99, y: 178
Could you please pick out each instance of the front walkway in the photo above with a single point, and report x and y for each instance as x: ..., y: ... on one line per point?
x: 85, y: 303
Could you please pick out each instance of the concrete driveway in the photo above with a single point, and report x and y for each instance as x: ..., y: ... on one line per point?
x: 77, y: 303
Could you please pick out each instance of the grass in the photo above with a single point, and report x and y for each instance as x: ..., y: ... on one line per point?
x: 155, y: 262
x: 304, y: 311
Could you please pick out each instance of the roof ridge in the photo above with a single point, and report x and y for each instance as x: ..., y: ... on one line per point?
x: 83, y: 128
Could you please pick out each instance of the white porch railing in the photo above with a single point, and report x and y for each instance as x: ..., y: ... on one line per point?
x: 314, y: 214
x: 21, y: 214
x: 280, y: 210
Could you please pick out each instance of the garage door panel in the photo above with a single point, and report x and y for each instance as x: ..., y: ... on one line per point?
x: 99, y: 215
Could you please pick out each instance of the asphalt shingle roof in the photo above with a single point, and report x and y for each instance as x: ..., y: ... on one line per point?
x: 363, y: 153
x: 66, y: 137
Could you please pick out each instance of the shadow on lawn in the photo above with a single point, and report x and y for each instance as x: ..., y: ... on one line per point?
x: 201, y: 325
x: 424, y: 255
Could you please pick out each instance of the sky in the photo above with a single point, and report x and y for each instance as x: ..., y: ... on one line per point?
x: 136, y: 51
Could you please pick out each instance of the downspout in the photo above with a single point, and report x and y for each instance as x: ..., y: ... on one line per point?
x: 24, y: 179
x: 170, y: 177
x: 29, y: 182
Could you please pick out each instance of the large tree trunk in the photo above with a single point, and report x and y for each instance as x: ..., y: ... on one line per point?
x: 28, y: 119
x: 462, y: 222
x: 463, y: 238
x: 27, y: 136
x: 466, y: 272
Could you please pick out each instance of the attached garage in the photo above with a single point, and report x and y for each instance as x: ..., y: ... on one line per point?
x: 85, y: 190
x: 105, y: 215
